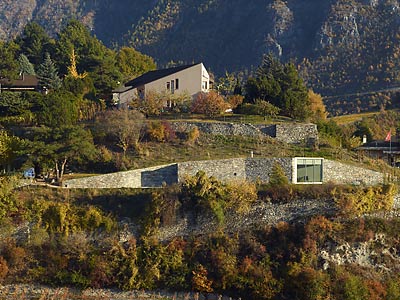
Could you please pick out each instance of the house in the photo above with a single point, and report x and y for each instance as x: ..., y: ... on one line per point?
x: 188, y: 79
x: 24, y: 83
x: 387, y: 150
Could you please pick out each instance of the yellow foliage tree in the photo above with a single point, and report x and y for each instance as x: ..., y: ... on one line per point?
x: 72, y: 68
x: 317, y: 106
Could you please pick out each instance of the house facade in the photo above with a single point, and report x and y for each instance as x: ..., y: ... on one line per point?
x: 189, y: 80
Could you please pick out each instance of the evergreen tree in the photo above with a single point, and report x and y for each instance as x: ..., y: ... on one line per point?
x: 295, y: 102
x: 25, y: 65
x: 8, y: 63
x: 48, y: 75
x: 281, y: 86
x: 34, y: 42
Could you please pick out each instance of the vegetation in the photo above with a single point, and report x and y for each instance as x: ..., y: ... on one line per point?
x: 74, y: 240
x: 83, y: 238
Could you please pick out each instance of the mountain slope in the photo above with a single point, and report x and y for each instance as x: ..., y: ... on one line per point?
x: 342, y: 46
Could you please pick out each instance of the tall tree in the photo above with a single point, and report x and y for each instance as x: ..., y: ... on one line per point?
x: 8, y: 61
x: 59, y: 146
x: 294, y: 102
x: 35, y: 42
x: 25, y: 66
x: 91, y: 55
x: 132, y: 63
x: 48, y: 74
x: 280, y: 85
x: 57, y: 109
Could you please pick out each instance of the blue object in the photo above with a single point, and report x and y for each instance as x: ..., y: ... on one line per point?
x: 30, y: 173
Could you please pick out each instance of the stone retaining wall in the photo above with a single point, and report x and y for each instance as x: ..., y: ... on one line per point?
x: 337, y: 172
x: 252, y: 169
x: 292, y: 133
x: 148, y: 177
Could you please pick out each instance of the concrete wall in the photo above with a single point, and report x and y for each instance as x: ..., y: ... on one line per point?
x: 190, y: 81
x: 252, y: 169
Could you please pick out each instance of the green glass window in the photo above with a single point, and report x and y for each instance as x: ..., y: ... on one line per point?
x: 309, y: 170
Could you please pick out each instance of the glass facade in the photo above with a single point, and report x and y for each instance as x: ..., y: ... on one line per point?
x: 309, y: 170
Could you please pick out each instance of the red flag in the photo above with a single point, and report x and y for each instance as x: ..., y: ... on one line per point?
x: 388, y: 136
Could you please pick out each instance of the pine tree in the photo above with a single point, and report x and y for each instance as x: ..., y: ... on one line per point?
x: 25, y: 65
x: 48, y: 75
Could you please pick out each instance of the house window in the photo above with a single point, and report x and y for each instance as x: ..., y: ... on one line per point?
x: 176, y: 83
x: 172, y: 86
x: 309, y: 170
x: 204, y: 85
x: 168, y: 86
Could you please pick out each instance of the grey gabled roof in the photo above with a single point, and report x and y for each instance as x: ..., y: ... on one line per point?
x: 155, y: 75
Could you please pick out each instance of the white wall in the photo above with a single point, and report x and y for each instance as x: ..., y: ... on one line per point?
x: 190, y: 81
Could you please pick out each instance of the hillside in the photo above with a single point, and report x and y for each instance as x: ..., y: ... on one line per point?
x: 343, y: 47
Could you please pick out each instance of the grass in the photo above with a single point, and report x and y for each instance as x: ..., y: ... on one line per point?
x: 230, y: 118
x: 347, y: 119
x: 211, y: 147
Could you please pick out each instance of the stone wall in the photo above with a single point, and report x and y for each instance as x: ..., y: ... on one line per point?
x: 252, y: 169
x: 294, y: 133
x: 337, y: 172
x: 148, y: 177
x: 259, y: 169
x: 286, y: 132
x: 224, y: 169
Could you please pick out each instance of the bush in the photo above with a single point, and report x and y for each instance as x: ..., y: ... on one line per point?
x: 278, y: 176
x: 3, y: 268
x: 193, y: 135
x: 360, y: 200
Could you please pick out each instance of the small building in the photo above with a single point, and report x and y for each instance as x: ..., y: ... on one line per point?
x: 23, y: 83
x: 188, y: 79
x: 388, y: 151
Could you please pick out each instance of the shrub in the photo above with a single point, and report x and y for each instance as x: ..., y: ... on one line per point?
x: 210, y: 104
x: 240, y: 195
x: 161, y: 132
x: 360, y: 200
x: 3, y: 268
x: 193, y: 135
x: 278, y: 176
x: 200, y: 282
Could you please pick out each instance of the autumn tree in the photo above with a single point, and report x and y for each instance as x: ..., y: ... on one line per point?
x: 10, y: 148
x: 210, y: 104
x: 317, y: 106
x: 124, y: 126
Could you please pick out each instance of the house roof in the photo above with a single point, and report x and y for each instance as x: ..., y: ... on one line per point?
x: 380, y: 145
x: 24, y: 81
x: 155, y: 75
